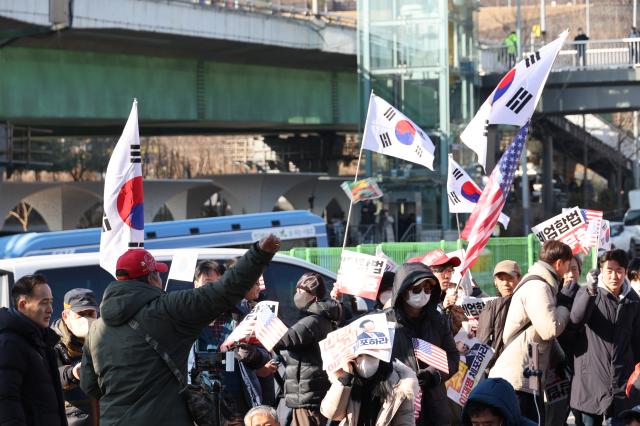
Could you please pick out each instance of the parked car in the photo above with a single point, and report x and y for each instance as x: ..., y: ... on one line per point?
x: 67, y: 271
x: 625, y: 235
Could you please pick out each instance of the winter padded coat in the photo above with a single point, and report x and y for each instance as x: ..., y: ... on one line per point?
x: 534, y: 302
x: 134, y: 385
x: 432, y: 327
x: 606, y: 349
x: 30, y: 391
x: 396, y: 410
x: 306, y: 382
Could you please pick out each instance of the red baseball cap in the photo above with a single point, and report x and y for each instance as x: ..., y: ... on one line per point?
x: 439, y: 257
x: 136, y: 263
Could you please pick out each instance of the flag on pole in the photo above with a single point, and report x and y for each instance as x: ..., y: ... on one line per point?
x: 485, y: 215
x: 269, y: 328
x: 123, y: 220
x: 364, y: 189
x: 463, y: 193
x: 605, y: 236
x: 389, y: 132
x: 515, y: 98
x: 431, y: 355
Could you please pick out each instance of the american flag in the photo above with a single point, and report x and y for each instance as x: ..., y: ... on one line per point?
x: 594, y: 220
x: 269, y: 328
x: 417, y: 404
x: 431, y: 355
x: 485, y: 215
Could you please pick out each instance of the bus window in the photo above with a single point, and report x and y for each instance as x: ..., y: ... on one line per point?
x: 61, y: 280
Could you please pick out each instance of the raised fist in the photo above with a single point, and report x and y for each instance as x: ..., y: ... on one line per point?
x: 270, y: 244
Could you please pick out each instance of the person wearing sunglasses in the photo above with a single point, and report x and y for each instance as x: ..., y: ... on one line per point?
x: 414, y: 308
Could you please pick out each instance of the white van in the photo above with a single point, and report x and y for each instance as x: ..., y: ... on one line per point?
x: 67, y: 271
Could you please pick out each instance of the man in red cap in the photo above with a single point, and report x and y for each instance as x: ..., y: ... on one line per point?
x: 442, y: 267
x: 133, y: 383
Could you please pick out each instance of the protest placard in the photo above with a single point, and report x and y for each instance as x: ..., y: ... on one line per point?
x: 360, y: 274
x: 594, y: 226
x: 369, y: 335
x: 474, y: 357
x: 364, y: 189
x: 473, y: 306
x: 570, y: 227
x: 391, y: 264
x: 244, y: 332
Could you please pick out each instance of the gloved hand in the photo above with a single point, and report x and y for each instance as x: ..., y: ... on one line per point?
x: 269, y: 244
x: 428, y: 377
x: 592, y: 282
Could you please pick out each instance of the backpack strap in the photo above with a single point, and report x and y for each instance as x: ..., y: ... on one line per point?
x: 135, y: 325
x: 528, y: 323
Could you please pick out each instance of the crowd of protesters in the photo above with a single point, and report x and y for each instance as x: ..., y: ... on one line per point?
x: 125, y: 362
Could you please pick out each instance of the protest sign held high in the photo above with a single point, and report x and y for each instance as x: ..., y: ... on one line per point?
x: 570, y: 227
x: 360, y: 274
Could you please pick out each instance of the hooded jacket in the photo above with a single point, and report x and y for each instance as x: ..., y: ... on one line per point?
x: 396, y: 410
x: 430, y: 326
x: 499, y: 394
x: 606, y: 348
x: 534, y: 303
x: 68, y: 352
x: 30, y: 392
x: 134, y: 385
x: 306, y: 382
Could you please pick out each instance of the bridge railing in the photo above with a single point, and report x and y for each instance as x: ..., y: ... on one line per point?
x: 299, y: 9
x: 574, y: 56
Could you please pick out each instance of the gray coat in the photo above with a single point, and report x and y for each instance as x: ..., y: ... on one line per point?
x: 607, y: 346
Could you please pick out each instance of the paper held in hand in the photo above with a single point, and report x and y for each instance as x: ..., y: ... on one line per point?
x: 360, y: 274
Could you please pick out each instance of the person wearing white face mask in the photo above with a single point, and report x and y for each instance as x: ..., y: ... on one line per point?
x: 80, y: 310
x: 370, y: 392
x: 416, y: 294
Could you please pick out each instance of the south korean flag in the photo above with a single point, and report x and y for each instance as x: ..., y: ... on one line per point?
x: 390, y: 132
x: 515, y: 98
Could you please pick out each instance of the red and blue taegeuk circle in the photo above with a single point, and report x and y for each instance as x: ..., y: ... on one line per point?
x: 405, y: 132
x: 131, y: 203
x: 470, y: 192
x: 504, y: 85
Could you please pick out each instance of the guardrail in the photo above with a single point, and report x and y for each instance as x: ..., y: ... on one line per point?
x: 291, y: 9
x: 523, y: 250
x: 574, y: 56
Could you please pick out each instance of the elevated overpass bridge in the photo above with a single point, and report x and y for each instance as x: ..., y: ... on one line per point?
x: 194, y: 68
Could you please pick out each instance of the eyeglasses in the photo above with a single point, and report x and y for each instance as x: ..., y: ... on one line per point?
x: 426, y: 287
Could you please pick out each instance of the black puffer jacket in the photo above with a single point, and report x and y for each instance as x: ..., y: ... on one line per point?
x: 30, y: 391
x: 606, y: 349
x: 432, y: 327
x: 306, y: 383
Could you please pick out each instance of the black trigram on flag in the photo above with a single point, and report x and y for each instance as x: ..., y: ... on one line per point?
x: 390, y: 113
x: 419, y: 151
x: 386, y: 141
x: 519, y: 100
x: 485, y: 130
x: 136, y: 245
x: 453, y: 197
x: 457, y: 174
x: 135, y: 154
x: 532, y: 59
x: 106, y: 226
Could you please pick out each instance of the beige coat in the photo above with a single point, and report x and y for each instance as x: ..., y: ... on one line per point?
x: 534, y: 301
x: 396, y: 410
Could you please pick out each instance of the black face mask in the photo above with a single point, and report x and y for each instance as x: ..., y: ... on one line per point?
x: 302, y: 301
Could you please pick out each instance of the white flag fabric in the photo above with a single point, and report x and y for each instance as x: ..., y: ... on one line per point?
x: 463, y: 193
x: 123, y: 220
x: 515, y: 98
x: 389, y: 132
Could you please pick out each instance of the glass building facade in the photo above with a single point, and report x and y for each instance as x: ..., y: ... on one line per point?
x: 419, y: 56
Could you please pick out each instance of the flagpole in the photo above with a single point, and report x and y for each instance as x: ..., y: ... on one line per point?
x: 355, y: 178
x: 458, y: 222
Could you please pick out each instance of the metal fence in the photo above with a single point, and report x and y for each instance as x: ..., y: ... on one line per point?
x: 574, y: 56
x: 523, y: 250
